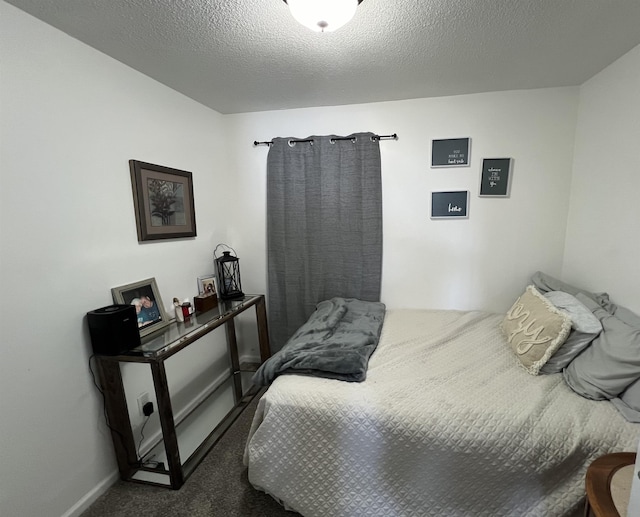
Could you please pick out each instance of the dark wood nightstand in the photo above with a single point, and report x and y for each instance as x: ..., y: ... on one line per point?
x: 608, y: 484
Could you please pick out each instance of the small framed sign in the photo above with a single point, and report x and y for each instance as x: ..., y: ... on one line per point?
x: 451, y: 152
x: 446, y: 205
x: 495, y: 178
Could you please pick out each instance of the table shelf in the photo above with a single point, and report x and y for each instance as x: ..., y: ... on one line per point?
x: 154, y: 350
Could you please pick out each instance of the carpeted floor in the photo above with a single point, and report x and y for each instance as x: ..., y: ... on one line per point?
x: 218, y: 488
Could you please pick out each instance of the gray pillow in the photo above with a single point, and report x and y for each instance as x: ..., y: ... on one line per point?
x: 629, y: 402
x: 585, y: 327
x: 611, y: 363
x: 546, y: 283
x: 624, y: 314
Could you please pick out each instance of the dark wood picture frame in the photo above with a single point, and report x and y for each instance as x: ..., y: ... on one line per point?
x: 145, y: 296
x: 163, y: 201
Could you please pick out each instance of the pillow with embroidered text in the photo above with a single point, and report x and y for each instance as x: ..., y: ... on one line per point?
x: 535, y: 329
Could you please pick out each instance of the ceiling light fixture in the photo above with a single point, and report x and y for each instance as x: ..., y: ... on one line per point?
x: 323, y: 15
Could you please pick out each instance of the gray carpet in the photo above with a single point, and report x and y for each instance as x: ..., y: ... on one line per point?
x: 218, y: 488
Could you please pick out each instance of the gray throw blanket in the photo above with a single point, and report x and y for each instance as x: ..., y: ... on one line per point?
x: 336, y: 342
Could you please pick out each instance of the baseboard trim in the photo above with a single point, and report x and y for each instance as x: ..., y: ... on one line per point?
x: 92, y: 495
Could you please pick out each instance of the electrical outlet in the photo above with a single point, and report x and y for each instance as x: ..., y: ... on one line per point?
x: 142, y: 400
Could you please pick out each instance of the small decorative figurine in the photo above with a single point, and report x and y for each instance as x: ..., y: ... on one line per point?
x: 178, y: 309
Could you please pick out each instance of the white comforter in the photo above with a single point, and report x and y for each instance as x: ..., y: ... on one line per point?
x: 445, y: 424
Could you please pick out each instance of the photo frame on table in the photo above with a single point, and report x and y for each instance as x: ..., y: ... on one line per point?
x: 495, y: 179
x: 145, y: 296
x: 163, y: 201
x: 450, y: 205
x: 207, y: 285
x: 450, y: 152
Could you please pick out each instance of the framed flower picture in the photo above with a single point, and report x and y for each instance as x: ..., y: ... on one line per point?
x: 163, y: 201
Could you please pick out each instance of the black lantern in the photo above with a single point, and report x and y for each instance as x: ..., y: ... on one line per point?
x: 228, y: 273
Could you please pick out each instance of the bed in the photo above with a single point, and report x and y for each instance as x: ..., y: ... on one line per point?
x: 447, y: 422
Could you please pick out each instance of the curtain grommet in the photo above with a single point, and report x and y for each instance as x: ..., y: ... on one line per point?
x: 291, y: 143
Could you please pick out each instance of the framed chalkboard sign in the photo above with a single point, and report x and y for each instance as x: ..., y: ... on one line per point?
x: 446, y: 205
x: 495, y: 178
x: 451, y: 152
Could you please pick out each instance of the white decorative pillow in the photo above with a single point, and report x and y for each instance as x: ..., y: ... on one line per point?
x: 535, y: 328
x: 585, y: 327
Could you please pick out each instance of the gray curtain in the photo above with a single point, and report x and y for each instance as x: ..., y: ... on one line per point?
x: 324, y: 226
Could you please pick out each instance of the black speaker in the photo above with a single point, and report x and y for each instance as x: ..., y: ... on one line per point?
x: 113, y: 329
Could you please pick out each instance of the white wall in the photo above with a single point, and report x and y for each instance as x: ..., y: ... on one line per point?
x: 482, y: 262
x: 71, y: 120
x: 603, y: 232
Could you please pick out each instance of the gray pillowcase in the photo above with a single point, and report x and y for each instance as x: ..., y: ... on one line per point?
x: 611, y: 363
x: 585, y: 327
x: 624, y: 314
x: 546, y: 283
x: 629, y: 402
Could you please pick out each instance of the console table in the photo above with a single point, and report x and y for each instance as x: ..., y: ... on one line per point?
x: 154, y: 351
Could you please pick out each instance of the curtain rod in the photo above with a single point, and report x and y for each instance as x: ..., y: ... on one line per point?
x: 394, y: 136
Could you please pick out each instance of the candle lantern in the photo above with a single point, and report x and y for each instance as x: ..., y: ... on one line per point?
x: 228, y: 273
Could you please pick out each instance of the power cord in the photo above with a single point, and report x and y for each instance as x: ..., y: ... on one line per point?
x: 147, y: 410
x: 142, y: 433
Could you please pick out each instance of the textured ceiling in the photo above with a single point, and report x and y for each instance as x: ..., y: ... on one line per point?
x: 250, y: 55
